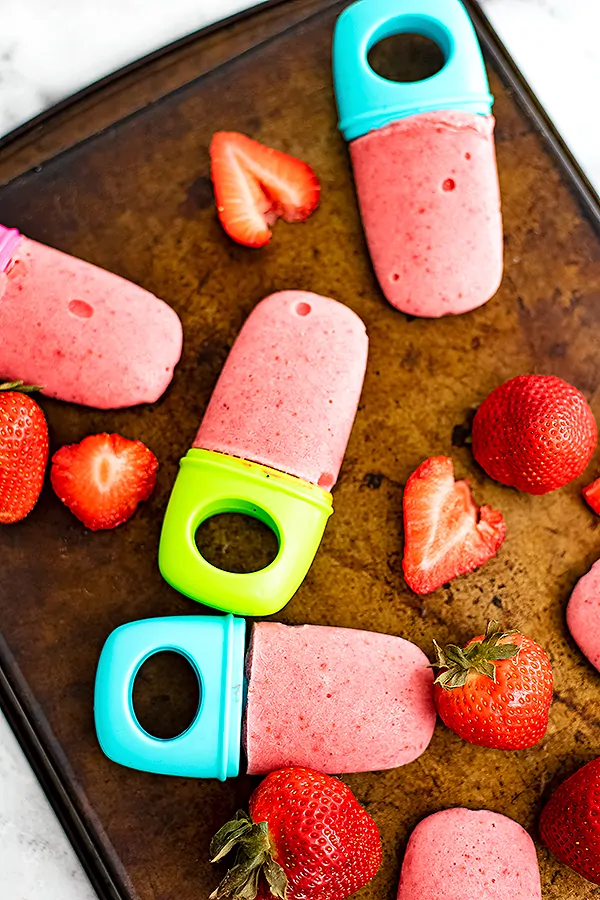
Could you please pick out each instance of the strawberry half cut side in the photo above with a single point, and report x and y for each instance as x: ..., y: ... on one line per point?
x: 254, y: 185
x: 103, y: 478
x: 446, y: 534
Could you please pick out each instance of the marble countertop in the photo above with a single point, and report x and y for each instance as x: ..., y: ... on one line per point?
x: 51, y: 48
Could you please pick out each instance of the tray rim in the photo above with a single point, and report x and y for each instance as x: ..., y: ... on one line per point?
x: 17, y: 703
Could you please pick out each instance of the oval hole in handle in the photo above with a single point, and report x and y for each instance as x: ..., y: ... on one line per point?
x: 406, y: 57
x: 166, y: 694
x: 237, y: 542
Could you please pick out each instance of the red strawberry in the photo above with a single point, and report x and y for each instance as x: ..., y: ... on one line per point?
x: 254, y: 185
x: 497, y: 691
x: 23, y: 451
x: 570, y: 822
x: 535, y: 432
x: 592, y: 495
x: 103, y: 478
x: 445, y: 533
x: 306, y: 837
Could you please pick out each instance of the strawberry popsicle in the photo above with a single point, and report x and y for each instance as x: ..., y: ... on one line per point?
x: 583, y: 614
x: 289, y: 392
x: 423, y: 158
x: 85, y: 335
x: 335, y: 699
x: 270, y: 445
x: 332, y: 699
x: 460, y: 853
x: 430, y: 205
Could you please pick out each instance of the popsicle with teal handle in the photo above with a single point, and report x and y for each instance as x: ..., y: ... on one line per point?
x: 371, y: 692
x: 270, y: 445
x: 423, y: 157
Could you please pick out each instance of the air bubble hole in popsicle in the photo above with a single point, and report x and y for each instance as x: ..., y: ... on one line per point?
x: 166, y: 694
x: 81, y: 309
x: 406, y: 57
x: 237, y: 542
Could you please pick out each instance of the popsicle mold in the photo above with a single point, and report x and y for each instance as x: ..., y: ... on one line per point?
x: 270, y: 445
x: 210, y: 747
x: 333, y: 699
x: 212, y: 483
x: 423, y: 158
x: 366, y: 101
x: 85, y: 335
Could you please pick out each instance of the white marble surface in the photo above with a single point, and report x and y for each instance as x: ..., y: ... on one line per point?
x: 51, y: 48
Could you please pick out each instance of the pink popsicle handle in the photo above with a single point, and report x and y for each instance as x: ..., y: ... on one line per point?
x: 9, y: 241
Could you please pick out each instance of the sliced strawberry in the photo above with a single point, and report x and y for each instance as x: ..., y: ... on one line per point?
x: 592, y: 495
x: 103, y: 478
x: 445, y: 533
x: 254, y: 185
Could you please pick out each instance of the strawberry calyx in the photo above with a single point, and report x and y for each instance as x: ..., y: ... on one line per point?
x: 253, y: 858
x: 19, y: 387
x: 478, y: 657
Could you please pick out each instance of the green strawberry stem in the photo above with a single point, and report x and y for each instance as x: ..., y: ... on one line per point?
x: 20, y: 387
x: 253, y: 858
x: 478, y: 657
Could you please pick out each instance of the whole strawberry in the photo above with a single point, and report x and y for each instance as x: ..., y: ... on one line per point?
x: 306, y: 837
x: 570, y: 822
x: 23, y: 451
x: 535, y: 432
x: 497, y: 691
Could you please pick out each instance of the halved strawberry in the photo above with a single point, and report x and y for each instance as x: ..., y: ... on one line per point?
x: 254, y: 185
x: 103, y: 478
x: 592, y: 495
x: 445, y: 533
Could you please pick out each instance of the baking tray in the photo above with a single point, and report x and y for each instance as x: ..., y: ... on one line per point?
x: 120, y: 177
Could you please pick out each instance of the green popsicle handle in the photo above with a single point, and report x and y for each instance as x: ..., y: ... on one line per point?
x: 210, y: 483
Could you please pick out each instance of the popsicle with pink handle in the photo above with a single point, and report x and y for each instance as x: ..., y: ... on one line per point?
x: 459, y: 853
x: 270, y: 445
x: 335, y: 699
x: 423, y: 158
x: 82, y: 333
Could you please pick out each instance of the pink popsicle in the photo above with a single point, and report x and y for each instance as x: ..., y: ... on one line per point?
x: 335, y: 699
x: 86, y: 335
x: 289, y: 390
x: 461, y: 853
x: 583, y: 615
x: 430, y: 204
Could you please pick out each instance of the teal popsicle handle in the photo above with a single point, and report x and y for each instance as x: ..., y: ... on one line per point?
x: 210, y: 747
x: 366, y: 101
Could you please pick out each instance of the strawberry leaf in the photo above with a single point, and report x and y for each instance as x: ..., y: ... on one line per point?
x: 479, y: 658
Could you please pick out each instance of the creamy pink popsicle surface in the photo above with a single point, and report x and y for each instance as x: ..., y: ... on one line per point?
x: 583, y: 614
x: 461, y: 853
x: 335, y: 699
x: 288, y: 393
x: 430, y: 204
x: 86, y: 335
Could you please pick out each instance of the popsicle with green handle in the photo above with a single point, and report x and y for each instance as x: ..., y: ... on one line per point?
x: 270, y: 445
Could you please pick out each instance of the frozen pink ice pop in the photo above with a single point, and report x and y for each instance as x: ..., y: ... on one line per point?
x: 423, y: 158
x: 85, y: 335
x: 335, y: 699
x: 463, y: 853
x: 270, y: 445
x: 430, y: 205
x: 583, y: 614
x: 288, y: 394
